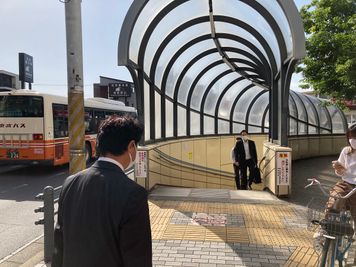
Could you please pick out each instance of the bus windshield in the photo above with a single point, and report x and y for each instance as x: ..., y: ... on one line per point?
x: 21, y: 106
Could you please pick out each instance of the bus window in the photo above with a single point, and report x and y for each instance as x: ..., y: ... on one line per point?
x: 89, y: 121
x: 60, y: 120
x: 99, y: 115
x: 21, y: 106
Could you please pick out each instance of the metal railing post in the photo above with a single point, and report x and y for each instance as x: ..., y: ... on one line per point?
x: 48, y: 223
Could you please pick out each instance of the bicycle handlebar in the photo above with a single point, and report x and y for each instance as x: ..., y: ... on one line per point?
x: 314, y: 181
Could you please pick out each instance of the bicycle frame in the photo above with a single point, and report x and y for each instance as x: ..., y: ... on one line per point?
x: 339, y: 249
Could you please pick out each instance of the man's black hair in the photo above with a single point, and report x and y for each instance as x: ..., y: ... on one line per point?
x: 115, y: 133
x: 243, y: 131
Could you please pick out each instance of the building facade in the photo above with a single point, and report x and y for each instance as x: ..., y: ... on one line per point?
x: 8, y: 81
x: 116, y: 89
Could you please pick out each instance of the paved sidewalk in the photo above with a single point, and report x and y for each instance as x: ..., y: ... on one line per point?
x: 212, y: 227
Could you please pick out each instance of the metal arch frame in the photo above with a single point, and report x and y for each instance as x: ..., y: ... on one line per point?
x: 328, y: 115
x: 296, y: 108
x: 221, y: 35
x: 139, y: 4
x: 200, y: 39
x: 142, y: 50
x: 234, y: 105
x: 174, y: 33
x: 206, y: 92
x: 264, y: 118
x: 232, y: 83
x: 305, y: 109
x: 192, y: 87
x: 296, y: 26
x: 251, y: 105
x: 254, y: 33
x: 175, y: 92
x: 316, y: 114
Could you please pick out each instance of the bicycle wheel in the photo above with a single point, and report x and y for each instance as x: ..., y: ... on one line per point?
x: 328, y: 254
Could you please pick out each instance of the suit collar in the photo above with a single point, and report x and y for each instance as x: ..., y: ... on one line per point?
x: 106, y: 165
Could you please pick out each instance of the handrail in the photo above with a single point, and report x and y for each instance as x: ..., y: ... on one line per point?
x: 191, y: 165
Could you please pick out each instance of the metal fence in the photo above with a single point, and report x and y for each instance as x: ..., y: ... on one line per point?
x: 50, y: 197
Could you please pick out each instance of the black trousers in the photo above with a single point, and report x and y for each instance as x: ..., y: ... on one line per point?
x: 237, y: 176
x: 250, y: 164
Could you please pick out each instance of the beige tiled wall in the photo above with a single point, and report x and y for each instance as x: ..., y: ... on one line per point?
x: 315, y: 146
x: 209, y: 152
x: 215, y: 153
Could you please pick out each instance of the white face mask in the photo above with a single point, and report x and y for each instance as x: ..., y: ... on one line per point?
x: 132, y: 162
x: 244, y: 137
x: 353, y: 143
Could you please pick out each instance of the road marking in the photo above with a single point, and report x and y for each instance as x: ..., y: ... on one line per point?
x: 19, y: 186
x: 14, y: 188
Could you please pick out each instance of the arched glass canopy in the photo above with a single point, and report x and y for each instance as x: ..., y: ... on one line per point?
x: 204, y: 67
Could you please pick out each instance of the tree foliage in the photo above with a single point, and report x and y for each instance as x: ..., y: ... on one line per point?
x: 330, y: 65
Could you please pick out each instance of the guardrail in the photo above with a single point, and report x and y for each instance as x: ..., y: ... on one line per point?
x: 49, y: 200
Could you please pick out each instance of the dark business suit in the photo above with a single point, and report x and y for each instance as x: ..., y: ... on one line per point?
x: 240, y: 157
x: 103, y: 220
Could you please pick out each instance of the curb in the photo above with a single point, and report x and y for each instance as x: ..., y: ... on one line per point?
x: 27, y: 254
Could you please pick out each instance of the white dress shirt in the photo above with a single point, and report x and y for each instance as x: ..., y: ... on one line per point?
x: 112, y: 161
x: 247, y: 150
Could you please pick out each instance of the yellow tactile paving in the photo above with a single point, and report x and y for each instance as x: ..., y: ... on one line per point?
x: 237, y: 235
x: 261, y: 224
x: 193, y: 232
x: 303, y: 257
x: 215, y: 234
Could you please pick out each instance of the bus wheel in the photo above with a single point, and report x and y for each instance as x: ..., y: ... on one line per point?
x: 87, y: 153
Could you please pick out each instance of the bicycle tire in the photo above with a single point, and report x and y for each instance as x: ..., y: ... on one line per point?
x: 328, y: 253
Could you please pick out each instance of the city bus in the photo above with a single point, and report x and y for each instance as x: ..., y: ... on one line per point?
x: 34, y: 126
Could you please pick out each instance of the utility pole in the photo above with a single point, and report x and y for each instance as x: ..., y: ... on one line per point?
x: 75, y: 86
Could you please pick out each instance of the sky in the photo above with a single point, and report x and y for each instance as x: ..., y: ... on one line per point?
x: 37, y: 28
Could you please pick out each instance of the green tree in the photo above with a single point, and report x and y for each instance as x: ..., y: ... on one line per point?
x: 330, y: 65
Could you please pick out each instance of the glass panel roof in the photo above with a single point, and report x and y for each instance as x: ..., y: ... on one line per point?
x: 192, y: 74
x: 177, y: 42
x: 182, y: 60
x: 275, y: 10
x: 302, y: 115
x: 312, y: 116
x: 223, y: 27
x: 231, y: 43
x: 258, y: 108
x: 200, y: 89
x: 210, y: 59
x: 243, y: 102
x: 292, y: 108
x: 232, y: 93
x: 149, y: 12
x: 322, y: 112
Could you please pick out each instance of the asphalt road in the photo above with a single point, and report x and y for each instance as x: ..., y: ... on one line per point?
x: 18, y: 187
x: 319, y: 168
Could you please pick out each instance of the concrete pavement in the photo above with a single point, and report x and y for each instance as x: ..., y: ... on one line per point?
x: 212, y: 227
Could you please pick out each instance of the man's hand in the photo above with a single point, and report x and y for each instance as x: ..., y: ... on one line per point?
x: 236, y: 164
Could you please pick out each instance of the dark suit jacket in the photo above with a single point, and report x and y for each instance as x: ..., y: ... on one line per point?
x: 240, y: 154
x: 103, y: 220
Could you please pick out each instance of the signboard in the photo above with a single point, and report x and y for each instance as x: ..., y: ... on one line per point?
x: 141, y: 164
x: 283, y: 168
x: 123, y: 89
x: 25, y: 68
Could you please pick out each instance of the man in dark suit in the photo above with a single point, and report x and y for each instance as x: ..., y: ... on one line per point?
x: 245, y: 156
x: 103, y: 217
